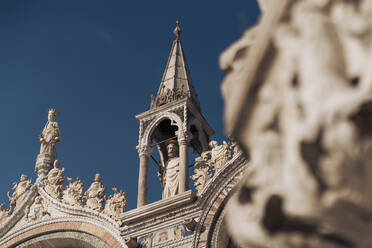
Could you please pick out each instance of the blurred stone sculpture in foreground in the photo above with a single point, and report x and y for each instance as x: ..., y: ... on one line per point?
x: 298, y: 100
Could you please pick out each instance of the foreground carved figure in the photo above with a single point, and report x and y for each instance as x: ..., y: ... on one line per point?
x: 94, y: 196
x: 305, y: 119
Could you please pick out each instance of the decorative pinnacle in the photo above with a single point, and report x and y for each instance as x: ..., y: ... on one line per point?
x: 177, y: 31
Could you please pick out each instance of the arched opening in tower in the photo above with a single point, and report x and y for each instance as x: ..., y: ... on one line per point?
x: 164, y: 133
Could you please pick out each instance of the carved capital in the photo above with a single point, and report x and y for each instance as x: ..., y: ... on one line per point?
x: 183, y: 138
x: 145, y: 151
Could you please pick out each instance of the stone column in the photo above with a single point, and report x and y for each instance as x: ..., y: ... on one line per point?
x: 144, y: 156
x: 184, y: 168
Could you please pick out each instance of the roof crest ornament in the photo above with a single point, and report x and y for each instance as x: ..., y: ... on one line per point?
x: 177, y: 31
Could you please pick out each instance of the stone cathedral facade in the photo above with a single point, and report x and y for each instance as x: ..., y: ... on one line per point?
x: 58, y: 212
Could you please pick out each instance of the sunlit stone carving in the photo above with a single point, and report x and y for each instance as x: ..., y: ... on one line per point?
x: 115, y: 204
x: 55, y: 180
x: 48, y: 139
x: 220, y: 154
x: 20, y: 190
x: 202, y: 172
x: 171, y: 180
x: 94, y: 196
x: 73, y: 193
x: 5, y: 213
x: 37, y: 210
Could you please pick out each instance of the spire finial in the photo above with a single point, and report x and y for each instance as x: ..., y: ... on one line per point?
x: 177, y: 31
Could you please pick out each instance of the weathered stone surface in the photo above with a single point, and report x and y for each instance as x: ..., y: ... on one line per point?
x: 298, y: 100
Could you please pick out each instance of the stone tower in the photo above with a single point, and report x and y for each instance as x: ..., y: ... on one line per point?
x: 173, y: 123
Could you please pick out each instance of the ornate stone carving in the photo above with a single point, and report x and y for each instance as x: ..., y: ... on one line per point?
x: 115, y: 204
x: 94, y: 196
x: 54, y: 181
x: 190, y: 224
x: 73, y: 193
x: 48, y: 139
x: 145, y: 151
x: 220, y: 154
x: 131, y: 242
x: 5, y: 213
x: 37, y: 210
x: 171, y: 181
x: 20, y: 190
x: 146, y: 242
x: 235, y: 148
x: 202, y: 172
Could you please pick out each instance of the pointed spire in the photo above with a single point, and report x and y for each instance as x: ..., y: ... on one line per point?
x: 176, y: 82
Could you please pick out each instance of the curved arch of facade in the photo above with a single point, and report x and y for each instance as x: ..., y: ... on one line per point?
x: 97, y: 237
x: 212, y: 219
x: 167, y: 115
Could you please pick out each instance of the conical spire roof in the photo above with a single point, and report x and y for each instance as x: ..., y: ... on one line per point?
x: 176, y: 82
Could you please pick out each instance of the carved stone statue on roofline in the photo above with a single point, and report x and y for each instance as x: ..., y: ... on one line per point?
x: 73, y: 193
x: 115, y: 204
x: 20, y: 190
x: 171, y: 171
x: 202, y: 172
x: 48, y: 139
x: 220, y: 154
x: 5, y: 213
x: 94, y: 196
x: 55, y: 180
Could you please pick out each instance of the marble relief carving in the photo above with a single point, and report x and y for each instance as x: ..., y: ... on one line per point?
x: 94, y: 196
x: 115, y: 204
x: 54, y: 181
x: 37, y: 210
x: 73, y: 193
x: 20, y: 190
x: 211, y: 162
x: 202, y: 173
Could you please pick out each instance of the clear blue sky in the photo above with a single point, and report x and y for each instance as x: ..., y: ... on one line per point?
x: 97, y: 63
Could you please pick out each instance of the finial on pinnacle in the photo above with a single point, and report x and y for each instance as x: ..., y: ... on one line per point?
x: 177, y: 31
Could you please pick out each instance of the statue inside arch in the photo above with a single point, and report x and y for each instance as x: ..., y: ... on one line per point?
x: 171, y: 171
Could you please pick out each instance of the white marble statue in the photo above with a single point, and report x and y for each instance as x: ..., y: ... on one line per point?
x: 220, y: 154
x: 50, y: 135
x: 202, y: 172
x: 73, y: 193
x: 20, y: 190
x: 37, y: 210
x: 94, y: 196
x: 115, y: 204
x: 171, y: 181
x: 55, y: 180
